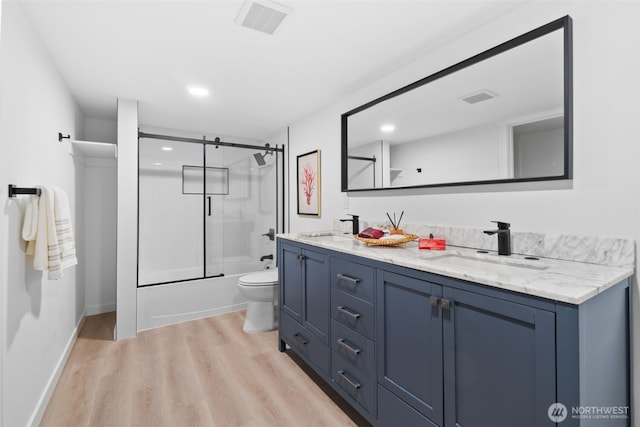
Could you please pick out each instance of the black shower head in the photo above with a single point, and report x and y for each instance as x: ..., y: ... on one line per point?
x: 260, y: 159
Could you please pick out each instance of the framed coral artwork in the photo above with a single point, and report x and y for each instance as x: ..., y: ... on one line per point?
x: 309, y: 183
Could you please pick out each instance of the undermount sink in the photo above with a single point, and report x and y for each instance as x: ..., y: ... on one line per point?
x: 496, y: 266
x: 327, y: 237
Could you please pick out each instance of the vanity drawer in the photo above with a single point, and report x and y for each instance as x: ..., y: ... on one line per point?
x: 354, y: 382
x: 353, y: 278
x: 353, y: 313
x: 357, y: 351
x: 305, y: 343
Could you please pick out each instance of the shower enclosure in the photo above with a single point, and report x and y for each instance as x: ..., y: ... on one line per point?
x: 207, y: 208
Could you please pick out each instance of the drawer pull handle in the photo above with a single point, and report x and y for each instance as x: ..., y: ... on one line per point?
x: 351, y: 383
x: 348, y: 279
x: 349, y: 313
x: 300, y: 338
x: 344, y: 344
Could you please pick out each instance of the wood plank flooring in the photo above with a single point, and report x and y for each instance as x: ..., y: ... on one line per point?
x: 201, y: 373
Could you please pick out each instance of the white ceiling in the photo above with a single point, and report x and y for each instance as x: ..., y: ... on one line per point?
x: 151, y: 50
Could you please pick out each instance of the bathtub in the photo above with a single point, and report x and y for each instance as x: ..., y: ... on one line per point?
x: 170, y: 303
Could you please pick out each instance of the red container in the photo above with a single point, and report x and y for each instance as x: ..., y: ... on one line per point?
x: 433, y: 244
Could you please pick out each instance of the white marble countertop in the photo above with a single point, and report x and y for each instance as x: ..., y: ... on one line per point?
x: 565, y: 281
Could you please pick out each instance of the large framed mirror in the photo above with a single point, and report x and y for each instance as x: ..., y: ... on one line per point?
x: 502, y: 116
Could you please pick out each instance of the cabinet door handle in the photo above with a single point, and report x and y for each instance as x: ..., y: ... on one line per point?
x: 434, y: 301
x: 344, y: 344
x: 349, y: 313
x: 300, y: 257
x: 300, y: 338
x: 348, y: 279
x: 446, y: 304
x: 351, y: 383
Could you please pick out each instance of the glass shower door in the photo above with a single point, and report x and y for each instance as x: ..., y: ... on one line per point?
x: 242, y: 193
x: 205, y: 210
x: 170, y: 212
x: 216, y: 187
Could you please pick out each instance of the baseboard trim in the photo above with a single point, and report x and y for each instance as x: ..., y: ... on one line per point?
x: 100, y: 309
x: 36, y: 417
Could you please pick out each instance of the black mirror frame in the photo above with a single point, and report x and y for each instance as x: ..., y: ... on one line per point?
x: 564, y: 23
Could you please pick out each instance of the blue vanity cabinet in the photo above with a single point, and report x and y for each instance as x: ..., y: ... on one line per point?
x: 412, y: 348
x: 409, y: 342
x: 290, y: 280
x: 453, y: 357
x: 316, y: 291
x: 304, y: 303
x: 353, y: 366
x: 499, y: 361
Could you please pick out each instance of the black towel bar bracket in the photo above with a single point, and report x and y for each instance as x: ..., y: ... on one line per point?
x: 14, y: 191
x: 61, y: 137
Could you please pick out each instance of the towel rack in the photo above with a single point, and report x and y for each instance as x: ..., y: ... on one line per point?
x: 14, y: 191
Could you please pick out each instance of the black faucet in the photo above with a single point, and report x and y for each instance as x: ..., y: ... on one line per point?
x: 504, y: 237
x: 270, y: 256
x: 355, y: 223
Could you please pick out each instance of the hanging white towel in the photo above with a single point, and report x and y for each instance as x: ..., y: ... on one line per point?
x: 53, y: 248
x: 64, y: 232
x: 30, y: 226
x: 38, y: 238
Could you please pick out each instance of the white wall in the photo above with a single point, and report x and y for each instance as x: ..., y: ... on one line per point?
x: 465, y: 155
x: 604, y: 198
x: 100, y: 235
x: 39, y: 317
x: 100, y: 130
x: 100, y: 220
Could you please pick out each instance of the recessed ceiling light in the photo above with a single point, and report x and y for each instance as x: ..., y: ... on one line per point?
x: 197, y: 91
x: 157, y: 164
x: 167, y: 149
x: 388, y: 128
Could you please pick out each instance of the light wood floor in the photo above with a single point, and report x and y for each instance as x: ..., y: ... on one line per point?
x: 201, y: 373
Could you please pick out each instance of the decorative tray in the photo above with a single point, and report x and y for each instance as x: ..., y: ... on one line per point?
x: 387, y: 242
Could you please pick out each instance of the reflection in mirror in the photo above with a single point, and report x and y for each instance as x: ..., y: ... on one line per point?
x: 501, y: 116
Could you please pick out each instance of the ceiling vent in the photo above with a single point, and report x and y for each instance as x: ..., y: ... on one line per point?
x: 480, y: 96
x: 262, y: 15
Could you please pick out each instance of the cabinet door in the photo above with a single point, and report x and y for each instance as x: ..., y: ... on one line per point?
x: 290, y: 271
x: 317, y: 287
x: 499, y: 362
x: 409, y: 340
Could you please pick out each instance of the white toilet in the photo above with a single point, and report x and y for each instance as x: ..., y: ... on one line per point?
x: 260, y: 289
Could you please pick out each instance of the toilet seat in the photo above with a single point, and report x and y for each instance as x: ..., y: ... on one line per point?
x: 263, y: 278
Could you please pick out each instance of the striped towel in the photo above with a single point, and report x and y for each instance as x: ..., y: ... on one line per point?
x: 53, y: 248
